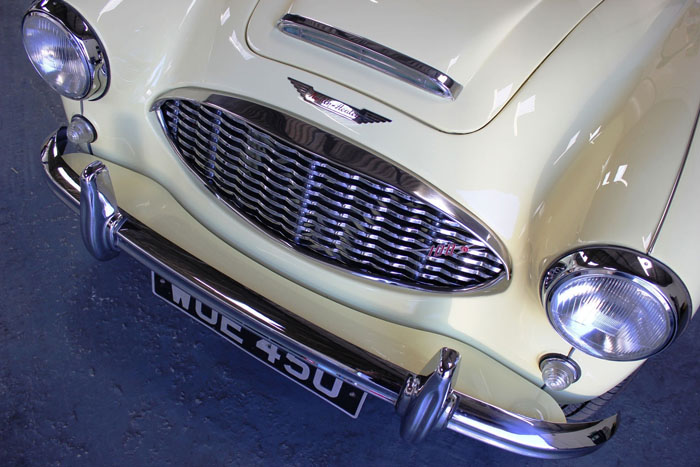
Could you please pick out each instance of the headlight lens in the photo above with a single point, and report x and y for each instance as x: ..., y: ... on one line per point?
x: 611, y: 317
x: 64, y: 50
x: 57, y: 56
x: 615, y: 304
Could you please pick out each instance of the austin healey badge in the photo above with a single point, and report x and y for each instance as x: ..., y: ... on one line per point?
x: 335, y: 106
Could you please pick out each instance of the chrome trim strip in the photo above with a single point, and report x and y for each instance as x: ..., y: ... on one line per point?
x: 302, y: 135
x: 650, y: 273
x: 327, y: 103
x: 664, y: 213
x: 72, y: 21
x: 368, y: 372
x: 371, y: 54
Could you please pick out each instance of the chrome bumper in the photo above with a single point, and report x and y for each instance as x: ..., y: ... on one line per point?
x: 425, y: 402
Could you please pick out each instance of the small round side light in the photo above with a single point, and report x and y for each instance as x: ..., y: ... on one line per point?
x: 559, y: 372
x: 80, y: 130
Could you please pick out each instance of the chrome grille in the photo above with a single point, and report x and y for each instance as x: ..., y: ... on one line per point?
x: 324, y: 209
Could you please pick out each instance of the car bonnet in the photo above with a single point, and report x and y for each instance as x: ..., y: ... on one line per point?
x: 488, y: 48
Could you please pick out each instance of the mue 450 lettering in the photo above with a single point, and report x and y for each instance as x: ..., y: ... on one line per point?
x: 334, y: 390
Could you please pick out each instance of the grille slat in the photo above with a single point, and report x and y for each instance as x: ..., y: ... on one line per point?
x: 323, y: 209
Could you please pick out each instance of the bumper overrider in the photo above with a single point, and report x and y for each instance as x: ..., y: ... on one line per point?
x: 425, y: 402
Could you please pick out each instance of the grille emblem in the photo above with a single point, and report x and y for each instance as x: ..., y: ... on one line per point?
x: 335, y: 106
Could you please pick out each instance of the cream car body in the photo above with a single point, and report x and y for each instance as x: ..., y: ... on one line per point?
x: 574, y: 127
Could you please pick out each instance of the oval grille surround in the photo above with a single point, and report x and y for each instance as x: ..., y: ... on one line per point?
x: 323, y: 209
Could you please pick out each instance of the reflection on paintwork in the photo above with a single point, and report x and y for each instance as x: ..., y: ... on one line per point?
x: 225, y: 16
x: 538, y: 210
x: 500, y: 97
x: 157, y: 72
x: 187, y: 14
x: 572, y: 141
x: 593, y: 136
x: 499, y: 210
x: 618, y: 176
x: 189, y: 8
x: 524, y: 107
x: 453, y: 61
x: 233, y: 39
x: 111, y: 5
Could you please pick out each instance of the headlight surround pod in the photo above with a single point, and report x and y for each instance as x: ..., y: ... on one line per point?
x: 614, y: 303
x: 65, y: 51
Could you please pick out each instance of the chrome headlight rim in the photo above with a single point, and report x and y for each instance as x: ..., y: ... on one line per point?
x: 80, y: 32
x: 651, y: 275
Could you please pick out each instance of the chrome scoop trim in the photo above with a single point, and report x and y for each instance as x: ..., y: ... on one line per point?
x: 371, y: 54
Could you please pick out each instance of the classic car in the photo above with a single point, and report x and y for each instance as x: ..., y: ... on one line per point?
x: 481, y: 213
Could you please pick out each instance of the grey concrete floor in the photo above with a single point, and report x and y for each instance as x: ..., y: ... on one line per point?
x: 94, y: 370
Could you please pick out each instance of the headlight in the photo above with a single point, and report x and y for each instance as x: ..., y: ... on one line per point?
x: 614, y: 303
x: 64, y: 50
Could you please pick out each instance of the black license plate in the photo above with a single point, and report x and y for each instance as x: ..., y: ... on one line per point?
x: 337, y: 392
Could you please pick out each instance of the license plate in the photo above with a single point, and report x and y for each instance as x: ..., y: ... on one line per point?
x: 333, y: 390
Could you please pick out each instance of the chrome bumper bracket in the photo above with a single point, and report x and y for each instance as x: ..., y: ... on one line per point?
x: 100, y: 218
x: 426, y: 403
